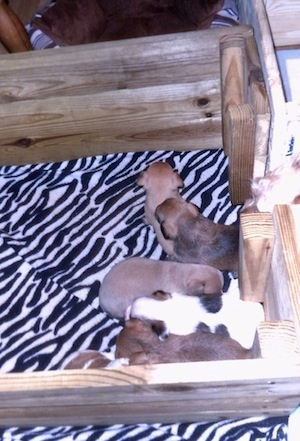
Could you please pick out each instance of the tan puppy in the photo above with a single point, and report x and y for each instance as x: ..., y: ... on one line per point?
x: 160, y: 182
x: 138, y: 277
x: 279, y: 186
x: 141, y: 345
x: 197, y: 239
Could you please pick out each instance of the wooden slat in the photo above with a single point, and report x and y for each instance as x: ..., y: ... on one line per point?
x: 147, y: 394
x: 234, y: 80
x: 283, y: 300
x: 167, y: 117
x: 284, y: 18
x: 278, y: 340
x: 254, y: 12
x: 242, y: 124
x: 238, y: 116
x: 256, y: 247
x: 151, y: 93
x: 259, y: 98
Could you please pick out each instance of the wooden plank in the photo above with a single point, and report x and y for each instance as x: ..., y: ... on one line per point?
x: 256, y: 247
x: 282, y: 300
x: 234, y: 80
x: 254, y: 12
x: 166, y: 117
x: 112, y: 97
x: 118, y: 65
x: 259, y: 98
x: 184, y: 392
x: 242, y: 123
x: 284, y: 18
x: 278, y: 340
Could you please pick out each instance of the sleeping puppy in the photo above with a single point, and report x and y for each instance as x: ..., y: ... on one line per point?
x: 279, y: 186
x: 91, y: 359
x: 197, y: 239
x: 140, y: 345
x: 136, y: 277
x: 159, y: 182
x: 178, y: 314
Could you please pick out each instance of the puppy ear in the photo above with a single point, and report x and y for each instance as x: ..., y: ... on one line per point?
x: 142, y: 179
x: 296, y: 200
x: 193, y: 209
x: 178, y: 182
x: 195, y: 288
x: 161, y: 295
x: 160, y: 328
x: 169, y: 230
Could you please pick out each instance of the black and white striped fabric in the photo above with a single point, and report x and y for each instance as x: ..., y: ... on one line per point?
x: 63, y: 226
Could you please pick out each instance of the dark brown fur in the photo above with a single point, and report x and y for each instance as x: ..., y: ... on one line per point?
x: 141, y: 345
x: 197, y: 239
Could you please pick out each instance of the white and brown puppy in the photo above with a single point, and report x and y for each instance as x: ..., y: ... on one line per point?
x: 178, y: 314
x: 159, y: 182
x: 279, y: 186
x: 140, y: 345
x: 137, y: 277
x: 197, y: 239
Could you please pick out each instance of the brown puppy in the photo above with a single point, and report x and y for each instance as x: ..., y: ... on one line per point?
x: 197, y: 239
x: 141, y: 345
x: 138, y: 277
x: 88, y: 359
x: 279, y: 186
x: 160, y: 182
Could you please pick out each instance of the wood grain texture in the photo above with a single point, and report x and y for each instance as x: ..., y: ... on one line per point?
x: 254, y: 12
x: 150, y: 394
x: 283, y: 301
x: 278, y: 340
x: 284, y: 18
x: 151, y: 93
x: 256, y: 247
x: 242, y: 127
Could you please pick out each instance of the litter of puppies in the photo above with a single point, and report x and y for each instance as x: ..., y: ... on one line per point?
x: 175, y: 310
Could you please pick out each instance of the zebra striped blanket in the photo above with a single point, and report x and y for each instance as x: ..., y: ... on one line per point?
x: 63, y: 226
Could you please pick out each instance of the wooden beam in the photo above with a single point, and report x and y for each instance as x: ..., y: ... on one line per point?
x: 282, y: 300
x: 284, y: 18
x: 254, y: 12
x: 234, y: 79
x: 185, y: 392
x: 278, y: 340
x: 256, y: 246
x: 152, y: 93
x: 238, y: 117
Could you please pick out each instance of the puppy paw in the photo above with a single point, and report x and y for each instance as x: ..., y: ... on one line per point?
x: 127, y: 313
x: 118, y: 362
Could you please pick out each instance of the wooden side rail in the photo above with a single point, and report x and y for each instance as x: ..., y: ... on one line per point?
x: 256, y: 248
x: 245, y: 113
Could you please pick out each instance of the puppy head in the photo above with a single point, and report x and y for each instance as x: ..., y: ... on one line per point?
x: 147, y: 309
x: 261, y: 189
x: 171, y: 213
x: 159, y: 174
x: 278, y: 186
